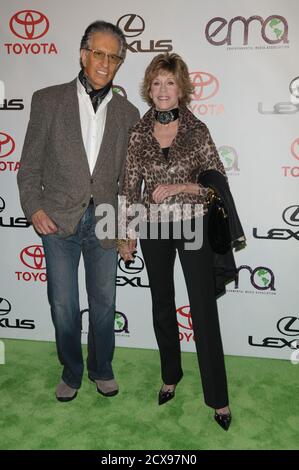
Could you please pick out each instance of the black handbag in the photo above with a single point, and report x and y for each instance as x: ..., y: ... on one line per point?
x: 218, y: 224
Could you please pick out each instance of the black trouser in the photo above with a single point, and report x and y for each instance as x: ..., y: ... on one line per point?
x: 159, y: 256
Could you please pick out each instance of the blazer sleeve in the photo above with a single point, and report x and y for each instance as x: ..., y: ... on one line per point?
x: 30, y: 174
x: 131, y: 190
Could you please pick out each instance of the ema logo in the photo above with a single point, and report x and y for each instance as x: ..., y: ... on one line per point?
x: 29, y: 25
x: 119, y: 90
x: 121, y: 324
x: 7, y: 147
x: 33, y: 257
x: 133, y: 25
x: 292, y: 171
x: 205, y: 86
x: 273, y: 30
x: 261, y: 278
x: 229, y: 158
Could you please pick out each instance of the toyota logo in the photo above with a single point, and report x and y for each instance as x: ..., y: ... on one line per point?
x: 134, y: 268
x: 286, y: 326
x: 5, y: 306
x: 7, y: 145
x: 295, y: 149
x: 291, y: 215
x: 2, y: 205
x: 294, y: 87
x: 132, y: 25
x: 205, y: 85
x: 185, y: 317
x: 33, y: 257
x: 29, y: 24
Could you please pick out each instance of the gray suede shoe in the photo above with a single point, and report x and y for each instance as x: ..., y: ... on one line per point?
x: 64, y: 392
x: 108, y: 388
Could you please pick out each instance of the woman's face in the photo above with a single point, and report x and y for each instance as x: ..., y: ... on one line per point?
x: 165, y: 91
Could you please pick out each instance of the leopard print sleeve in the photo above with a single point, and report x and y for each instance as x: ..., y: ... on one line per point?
x: 211, y: 158
x: 131, y: 189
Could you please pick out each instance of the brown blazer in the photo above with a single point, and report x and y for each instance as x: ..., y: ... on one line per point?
x: 54, y: 173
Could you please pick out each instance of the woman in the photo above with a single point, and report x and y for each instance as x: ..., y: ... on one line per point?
x: 167, y: 151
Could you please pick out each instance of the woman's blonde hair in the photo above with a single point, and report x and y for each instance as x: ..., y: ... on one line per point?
x: 174, y: 64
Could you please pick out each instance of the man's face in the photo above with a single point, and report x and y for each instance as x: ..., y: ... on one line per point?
x: 100, y: 71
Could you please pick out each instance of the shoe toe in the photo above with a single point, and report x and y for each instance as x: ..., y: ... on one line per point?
x: 223, y: 420
x: 165, y: 396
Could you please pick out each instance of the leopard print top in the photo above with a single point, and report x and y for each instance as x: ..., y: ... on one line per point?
x: 191, y: 152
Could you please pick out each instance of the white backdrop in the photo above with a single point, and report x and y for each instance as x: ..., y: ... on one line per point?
x: 242, y: 57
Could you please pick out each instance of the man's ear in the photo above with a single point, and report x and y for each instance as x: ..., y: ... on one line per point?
x: 83, y: 56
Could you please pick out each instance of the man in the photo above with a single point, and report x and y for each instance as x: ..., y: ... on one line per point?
x: 72, y: 161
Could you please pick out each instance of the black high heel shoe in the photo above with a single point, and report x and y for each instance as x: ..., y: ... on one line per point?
x: 223, y: 420
x: 165, y: 395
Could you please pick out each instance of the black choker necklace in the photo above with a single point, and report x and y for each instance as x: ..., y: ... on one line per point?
x: 165, y: 117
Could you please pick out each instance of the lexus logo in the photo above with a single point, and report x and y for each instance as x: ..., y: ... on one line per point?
x: 134, y: 268
x: 33, y: 257
x: 291, y: 215
x: 2, y: 204
x: 7, y: 145
x: 29, y: 24
x: 184, y: 318
x: 132, y: 25
x: 295, y: 149
x: 205, y: 85
x: 5, y: 306
x: 294, y: 87
x: 288, y: 326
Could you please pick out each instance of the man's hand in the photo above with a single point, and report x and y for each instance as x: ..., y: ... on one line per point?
x: 42, y: 223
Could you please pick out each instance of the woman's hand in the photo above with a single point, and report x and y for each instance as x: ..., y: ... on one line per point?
x: 127, y: 249
x: 166, y: 190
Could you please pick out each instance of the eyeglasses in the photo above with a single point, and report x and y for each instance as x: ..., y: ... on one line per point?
x: 101, y: 55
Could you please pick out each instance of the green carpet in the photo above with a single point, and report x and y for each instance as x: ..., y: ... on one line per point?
x: 263, y: 397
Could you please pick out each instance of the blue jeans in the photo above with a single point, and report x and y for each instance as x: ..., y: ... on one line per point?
x: 62, y: 260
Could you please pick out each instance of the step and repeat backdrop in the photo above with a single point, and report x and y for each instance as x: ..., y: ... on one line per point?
x: 243, y: 61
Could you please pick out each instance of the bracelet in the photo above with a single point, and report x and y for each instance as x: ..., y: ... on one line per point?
x: 210, y: 195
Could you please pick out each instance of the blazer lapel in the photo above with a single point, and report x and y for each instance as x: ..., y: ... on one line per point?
x: 112, y: 128
x: 72, y: 124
